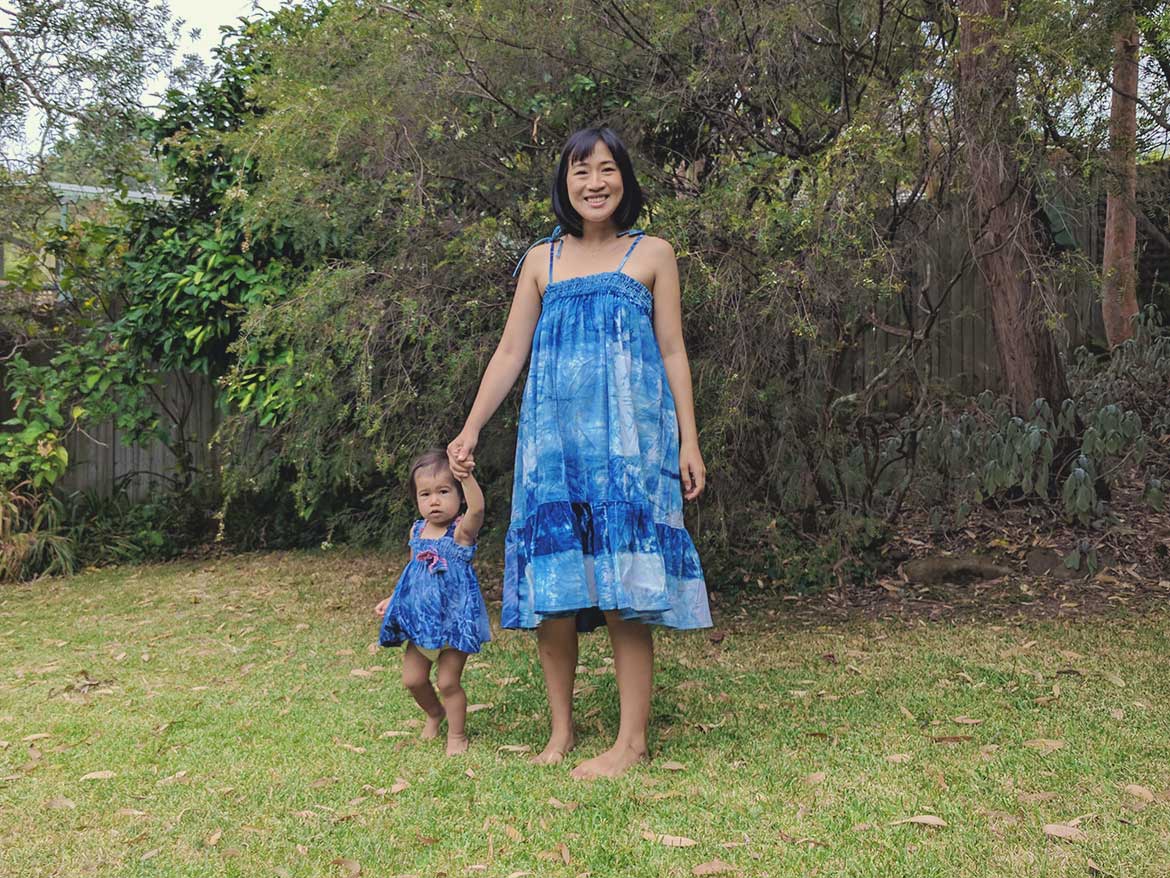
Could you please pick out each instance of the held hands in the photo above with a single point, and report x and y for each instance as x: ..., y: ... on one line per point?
x: 380, y: 610
x: 692, y: 470
x: 461, y: 453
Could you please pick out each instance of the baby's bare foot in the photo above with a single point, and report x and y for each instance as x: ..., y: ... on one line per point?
x: 614, y: 762
x: 431, y: 727
x: 555, y: 750
x: 456, y: 744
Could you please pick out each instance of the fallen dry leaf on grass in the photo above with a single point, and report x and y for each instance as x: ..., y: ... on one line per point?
x: 514, y: 748
x: 967, y: 721
x: 474, y: 708
x: 349, y: 868
x: 921, y: 820
x: 1064, y: 831
x: 671, y: 841
x: 399, y: 785
x: 98, y: 775
x: 1044, y: 745
x: 565, y: 806
x: 715, y: 867
x: 671, y: 765
x: 560, y: 852
x: 817, y: 777
x: 898, y: 758
x: 513, y: 833
x: 59, y: 803
x: 213, y: 839
x: 1142, y: 794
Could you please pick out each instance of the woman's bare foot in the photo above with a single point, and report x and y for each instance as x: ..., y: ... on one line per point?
x: 456, y: 744
x: 431, y: 727
x: 614, y: 762
x: 555, y: 750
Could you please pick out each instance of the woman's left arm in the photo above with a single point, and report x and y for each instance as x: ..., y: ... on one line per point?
x: 668, y: 330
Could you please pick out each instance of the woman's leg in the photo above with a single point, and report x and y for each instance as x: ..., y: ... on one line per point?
x: 556, y: 643
x: 451, y: 663
x: 416, y: 677
x: 633, y: 660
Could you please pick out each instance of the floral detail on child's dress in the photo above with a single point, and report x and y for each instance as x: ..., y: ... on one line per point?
x: 434, y: 561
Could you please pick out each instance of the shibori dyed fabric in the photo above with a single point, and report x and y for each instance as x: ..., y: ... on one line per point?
x: 597, y: 521
x: 437, y: 602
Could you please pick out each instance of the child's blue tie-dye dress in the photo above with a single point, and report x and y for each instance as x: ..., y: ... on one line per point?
x: 437, y: 602
x: 597, y: 520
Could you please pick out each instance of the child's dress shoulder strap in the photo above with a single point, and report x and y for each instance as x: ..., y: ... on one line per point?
x: 549, y: 239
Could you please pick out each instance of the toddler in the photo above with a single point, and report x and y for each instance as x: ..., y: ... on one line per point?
x: 437, y: 609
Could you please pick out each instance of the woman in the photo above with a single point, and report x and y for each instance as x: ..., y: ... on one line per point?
x: 607, y: 445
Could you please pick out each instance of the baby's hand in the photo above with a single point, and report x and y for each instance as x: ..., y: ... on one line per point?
x: 380, y: 610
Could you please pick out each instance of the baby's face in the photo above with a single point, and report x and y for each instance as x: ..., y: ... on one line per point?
x: 437, y: 495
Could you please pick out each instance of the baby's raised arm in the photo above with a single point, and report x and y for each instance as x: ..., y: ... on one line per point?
x: 472, y: 519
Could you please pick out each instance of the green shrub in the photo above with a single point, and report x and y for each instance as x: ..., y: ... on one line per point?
x: 32, y: 541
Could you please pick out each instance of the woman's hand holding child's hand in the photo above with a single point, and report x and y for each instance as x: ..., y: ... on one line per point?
x: 460, y: 453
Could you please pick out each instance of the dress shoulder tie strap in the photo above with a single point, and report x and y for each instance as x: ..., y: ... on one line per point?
x: 637, y: 235
x: 549, y: 239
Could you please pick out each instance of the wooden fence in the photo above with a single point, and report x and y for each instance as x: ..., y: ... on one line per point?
x: 960, y: 350
x: 100, y: 461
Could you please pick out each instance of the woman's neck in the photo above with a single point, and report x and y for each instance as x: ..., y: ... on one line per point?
x: 596, y: 234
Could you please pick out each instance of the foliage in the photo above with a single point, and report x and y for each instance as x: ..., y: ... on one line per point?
x: 31, y: 539
x: 114, y: 529
x: 71, y: 59
x: 354, y: 181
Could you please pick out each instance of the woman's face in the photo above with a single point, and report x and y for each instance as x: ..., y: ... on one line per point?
x: 595, y: 185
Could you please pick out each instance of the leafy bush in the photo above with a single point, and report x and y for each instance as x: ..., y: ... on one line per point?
x: 32, y: 541
x: 114, y: 529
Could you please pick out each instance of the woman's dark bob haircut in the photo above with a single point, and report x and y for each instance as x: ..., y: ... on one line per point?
x: 578, y: 148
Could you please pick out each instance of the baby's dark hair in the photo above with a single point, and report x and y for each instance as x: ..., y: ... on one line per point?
x: 436, y: 459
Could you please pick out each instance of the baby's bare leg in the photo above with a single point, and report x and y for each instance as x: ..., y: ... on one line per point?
x: 451, y: 662
x: 416, y: 677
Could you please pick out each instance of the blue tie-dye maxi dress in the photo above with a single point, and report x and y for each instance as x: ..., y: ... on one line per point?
x: 597, y: 520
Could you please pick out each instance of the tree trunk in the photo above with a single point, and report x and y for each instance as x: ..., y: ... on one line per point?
x: 1007, y: 249
x: 1119, y: 297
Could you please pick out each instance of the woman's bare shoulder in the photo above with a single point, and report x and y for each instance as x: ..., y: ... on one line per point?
x: 536, y: 262
x: 658, y: 251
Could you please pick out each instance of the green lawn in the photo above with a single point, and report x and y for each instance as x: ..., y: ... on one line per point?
x: 233, y: 718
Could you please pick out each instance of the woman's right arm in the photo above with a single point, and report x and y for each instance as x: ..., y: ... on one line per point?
x: 504, y: 367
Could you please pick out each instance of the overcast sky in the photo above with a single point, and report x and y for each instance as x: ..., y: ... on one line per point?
x: 208, y: 15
